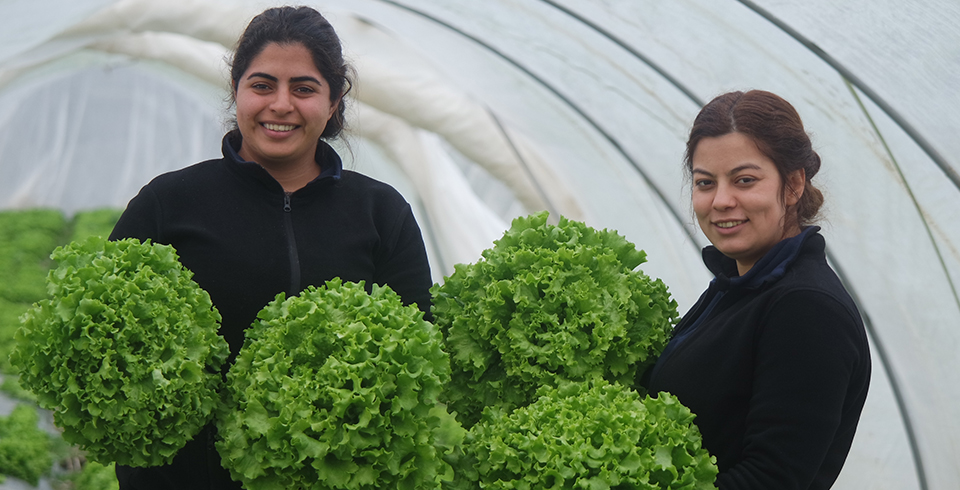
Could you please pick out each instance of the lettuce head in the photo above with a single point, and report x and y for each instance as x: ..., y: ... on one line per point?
x: 548, y: 304
x: 590, y: 435
x: 338, y: 389
x: 125, y: 351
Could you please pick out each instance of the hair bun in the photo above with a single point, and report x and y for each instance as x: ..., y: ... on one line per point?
x: 814, y: 166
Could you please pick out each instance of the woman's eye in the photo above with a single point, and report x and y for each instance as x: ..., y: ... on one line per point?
x: 702, y: 183
x: 746, y: 180
x: 304, y: 90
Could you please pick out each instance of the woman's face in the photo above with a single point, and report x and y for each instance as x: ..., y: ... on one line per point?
x: 283, y: 105
x: 737, y: 198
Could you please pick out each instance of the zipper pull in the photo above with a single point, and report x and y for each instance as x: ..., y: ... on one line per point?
x: 286, y: 202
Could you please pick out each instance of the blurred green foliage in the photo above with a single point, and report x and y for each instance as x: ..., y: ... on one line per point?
x: 27, y: 238
x: 25, y: 450
x: 98, y: 222
x: 95, y: 476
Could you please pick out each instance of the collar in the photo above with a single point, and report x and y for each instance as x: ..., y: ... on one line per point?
x: 331, y: 167
x: 770, y: 268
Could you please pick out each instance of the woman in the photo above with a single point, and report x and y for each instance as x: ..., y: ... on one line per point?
x: 773, y: 358
x: 278, y: 212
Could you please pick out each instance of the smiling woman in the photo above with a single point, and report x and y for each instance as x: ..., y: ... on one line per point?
x: 773, y: 358
x: 283, y: 106
x: 739, y: 199
x: 277, y: 213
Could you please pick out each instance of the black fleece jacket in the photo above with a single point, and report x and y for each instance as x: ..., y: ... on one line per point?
x: 246, y: 240
x: 775, y: 365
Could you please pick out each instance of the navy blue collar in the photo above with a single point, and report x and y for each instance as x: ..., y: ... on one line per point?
x: 770, y: 268
x: 331, y: 167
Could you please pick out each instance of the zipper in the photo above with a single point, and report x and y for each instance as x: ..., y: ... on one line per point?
x: 291, y: 247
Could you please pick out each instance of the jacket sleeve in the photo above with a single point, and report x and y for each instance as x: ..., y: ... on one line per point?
x: 402, y: 264
x: 141, y: 219
x: 808, y: 383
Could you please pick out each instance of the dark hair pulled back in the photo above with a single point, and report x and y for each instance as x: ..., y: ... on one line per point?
x: 297, y: 25
x: 775, y: 126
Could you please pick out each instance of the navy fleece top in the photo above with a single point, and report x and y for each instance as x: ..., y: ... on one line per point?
x: 775, y: 365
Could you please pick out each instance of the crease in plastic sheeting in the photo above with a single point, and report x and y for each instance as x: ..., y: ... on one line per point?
x: 208, y: 21
x: 30, y: 30
x: 548, y: 201
x: 429, y: 103
x: 174, y: 38
x: 202, y: 59
x: 66, y: 140
x: 469, y: 226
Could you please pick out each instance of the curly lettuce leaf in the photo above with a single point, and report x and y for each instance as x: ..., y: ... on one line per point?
x: 125, y: 352
x: 548, y: 304
x: 338, y: 388
x: 592, y: 435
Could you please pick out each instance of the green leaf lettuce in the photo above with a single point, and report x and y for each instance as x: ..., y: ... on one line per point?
x: 338, y: 388
x: 548, y: 304
x: 125, y: 352
x: 590, y: 435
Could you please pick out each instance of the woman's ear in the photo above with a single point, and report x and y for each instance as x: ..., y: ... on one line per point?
x: 793, y: 190
x: 335, y: 107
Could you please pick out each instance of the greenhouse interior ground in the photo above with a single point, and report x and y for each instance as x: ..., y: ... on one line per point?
x: 480, y: 112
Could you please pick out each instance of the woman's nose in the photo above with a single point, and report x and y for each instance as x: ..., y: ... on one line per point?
x: 281, y: 104
x: 724, y: 197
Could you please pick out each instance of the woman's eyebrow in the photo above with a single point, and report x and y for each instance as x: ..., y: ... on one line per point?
x: 262, y: 75
x: 745, y: 166
x: 305, y: 79
x: 740, y: 168
x: 702, y: 171
x: 292, y: 80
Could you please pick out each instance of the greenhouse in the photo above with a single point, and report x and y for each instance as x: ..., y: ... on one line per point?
x: 479, y: 112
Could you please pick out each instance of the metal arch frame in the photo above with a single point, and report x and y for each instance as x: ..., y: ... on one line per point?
x: 556, y: 92
x: 689, y: 94
x: 880, y: 102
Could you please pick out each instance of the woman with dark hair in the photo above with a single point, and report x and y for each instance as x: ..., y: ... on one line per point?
x: 773, y: 358
x: 278, y: 212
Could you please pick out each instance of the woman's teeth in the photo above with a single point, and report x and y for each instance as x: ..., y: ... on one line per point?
x: 279, y: 127
x: 729, y: 224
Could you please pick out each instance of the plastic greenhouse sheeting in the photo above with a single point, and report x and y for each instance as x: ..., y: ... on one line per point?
x: 482, y: 111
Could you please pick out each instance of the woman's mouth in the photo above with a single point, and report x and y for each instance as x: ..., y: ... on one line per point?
x: 279, y: 127
x: 729, y: 224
